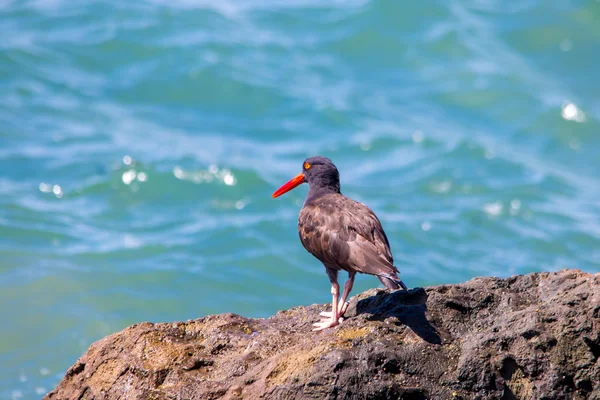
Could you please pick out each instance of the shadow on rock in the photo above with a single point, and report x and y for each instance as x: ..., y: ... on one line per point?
x: 409, y: 307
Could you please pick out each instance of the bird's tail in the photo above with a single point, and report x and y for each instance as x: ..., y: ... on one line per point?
x: 391, y: 282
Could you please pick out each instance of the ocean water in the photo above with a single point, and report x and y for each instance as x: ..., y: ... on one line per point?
x: 140, y: 143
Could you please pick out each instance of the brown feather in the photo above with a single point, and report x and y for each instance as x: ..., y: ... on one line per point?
x: 346, y: 235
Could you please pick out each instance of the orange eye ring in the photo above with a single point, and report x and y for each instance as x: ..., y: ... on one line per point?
x: 306, y: 165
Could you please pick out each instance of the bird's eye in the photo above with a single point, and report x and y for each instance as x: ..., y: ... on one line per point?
x: 306, y: 165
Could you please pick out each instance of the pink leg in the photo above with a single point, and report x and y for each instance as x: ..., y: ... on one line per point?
x: 347, y: 288
x: 333, y: 320
x: 343, y: 305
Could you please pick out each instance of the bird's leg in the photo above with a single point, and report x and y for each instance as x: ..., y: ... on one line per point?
x: 333, y: 320
x: 347, y: 288
x: 343, y: 305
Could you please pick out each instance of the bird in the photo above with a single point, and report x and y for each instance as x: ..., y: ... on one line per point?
x: 344, y: 234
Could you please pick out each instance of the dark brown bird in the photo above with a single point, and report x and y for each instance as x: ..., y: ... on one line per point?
x: 342, y: 233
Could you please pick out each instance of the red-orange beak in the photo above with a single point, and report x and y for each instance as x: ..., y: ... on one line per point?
x: 292, y: 183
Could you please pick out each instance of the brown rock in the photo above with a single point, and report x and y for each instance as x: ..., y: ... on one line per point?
x: 535, y: 336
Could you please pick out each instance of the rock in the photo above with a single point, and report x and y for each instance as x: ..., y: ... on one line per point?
x: 535, y: 336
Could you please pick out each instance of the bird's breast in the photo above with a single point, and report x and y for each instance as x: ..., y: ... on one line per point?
x: 311, y: 230
x: 321, y: 235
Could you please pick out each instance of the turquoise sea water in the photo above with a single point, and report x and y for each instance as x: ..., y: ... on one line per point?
x: 140, y: 143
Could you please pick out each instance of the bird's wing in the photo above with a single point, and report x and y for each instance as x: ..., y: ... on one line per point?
x: 346, y: 234
x: 370, y: 250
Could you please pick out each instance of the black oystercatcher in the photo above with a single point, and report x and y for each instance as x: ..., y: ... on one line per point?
x: 342, y: 233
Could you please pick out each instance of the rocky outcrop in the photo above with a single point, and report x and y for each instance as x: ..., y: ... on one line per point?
x: 535, y: 336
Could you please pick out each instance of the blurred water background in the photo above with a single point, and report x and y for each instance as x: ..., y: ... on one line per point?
x: 140, y: 143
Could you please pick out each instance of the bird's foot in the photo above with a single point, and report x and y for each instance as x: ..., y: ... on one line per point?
x: 341, y: 311
x: 327, y: 323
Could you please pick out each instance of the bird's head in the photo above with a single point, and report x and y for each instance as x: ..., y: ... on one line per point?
x: 319, y: 172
